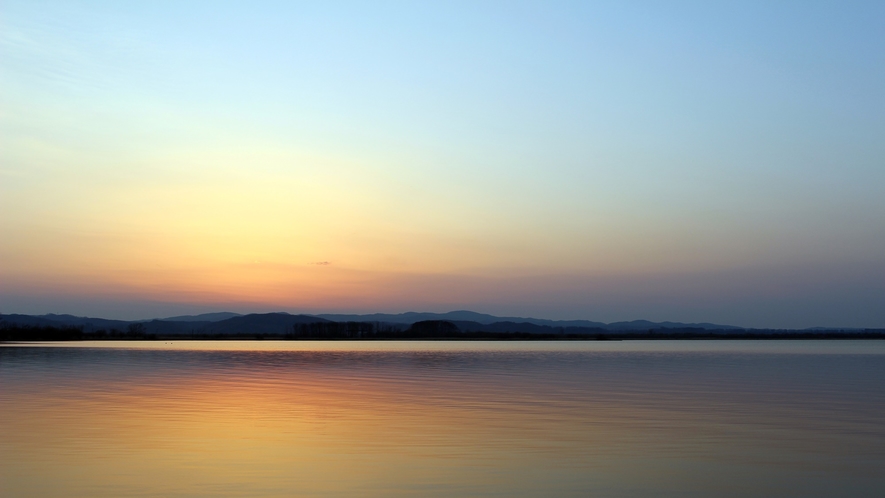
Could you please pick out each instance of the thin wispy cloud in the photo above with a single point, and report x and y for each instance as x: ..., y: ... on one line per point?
x: 291, y: 151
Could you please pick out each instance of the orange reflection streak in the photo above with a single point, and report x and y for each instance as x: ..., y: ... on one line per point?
x: 370, y: 419
x: 316, y: 433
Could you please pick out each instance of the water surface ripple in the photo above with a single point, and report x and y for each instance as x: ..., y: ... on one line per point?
x: 632, y: 418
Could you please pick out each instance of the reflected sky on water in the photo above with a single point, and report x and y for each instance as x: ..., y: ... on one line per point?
x: 630, y: 418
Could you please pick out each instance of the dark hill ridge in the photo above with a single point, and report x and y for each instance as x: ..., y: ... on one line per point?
x: 266, y: 323
x: 333, y: 325
x: 252, y: 324
x: 471, y: 316
x: 647, y: 325
x: 205, y: 317
x: 80, y: 320
x: 452, y: 316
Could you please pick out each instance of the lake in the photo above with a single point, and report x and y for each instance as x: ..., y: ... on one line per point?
x: 413, y: 418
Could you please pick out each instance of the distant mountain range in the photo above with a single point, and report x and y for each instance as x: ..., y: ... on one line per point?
x: 484, y: 319
x: 227, y: 323
x: 205, y: 317
x: 338, y: 325
x: 452, y: 325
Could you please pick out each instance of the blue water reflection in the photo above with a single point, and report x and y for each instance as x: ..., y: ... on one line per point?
x: 668, y: 418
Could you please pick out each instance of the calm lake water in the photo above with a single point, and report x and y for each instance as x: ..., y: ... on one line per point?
x: 631, y: 418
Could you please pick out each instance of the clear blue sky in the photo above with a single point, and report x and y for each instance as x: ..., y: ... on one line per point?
x: 689, y: 161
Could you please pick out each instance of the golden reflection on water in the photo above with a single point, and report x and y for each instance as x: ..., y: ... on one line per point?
x: 222, y: 421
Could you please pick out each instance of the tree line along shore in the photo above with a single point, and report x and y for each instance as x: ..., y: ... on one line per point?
x: 423, y: 330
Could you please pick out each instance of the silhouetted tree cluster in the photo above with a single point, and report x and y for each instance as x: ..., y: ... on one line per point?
x: 26, y: 333
x: 694, y: 333
x: 429, y: 329
x: 15, y: 332
x: 136, y: 329
x: 342, y: 330
x: 434, y: 328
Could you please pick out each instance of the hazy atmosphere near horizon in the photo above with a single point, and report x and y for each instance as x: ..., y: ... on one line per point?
x: 684, y: 161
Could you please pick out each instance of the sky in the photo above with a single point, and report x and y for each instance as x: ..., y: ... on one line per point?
x: 608, y: 161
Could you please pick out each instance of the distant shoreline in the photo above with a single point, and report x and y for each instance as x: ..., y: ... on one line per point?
x: 47, y: 334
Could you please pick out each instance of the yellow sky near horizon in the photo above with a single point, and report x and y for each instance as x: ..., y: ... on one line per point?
x: 532, y: 164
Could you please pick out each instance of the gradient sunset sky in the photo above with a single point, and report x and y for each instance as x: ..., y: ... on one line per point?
x: 601, y: 160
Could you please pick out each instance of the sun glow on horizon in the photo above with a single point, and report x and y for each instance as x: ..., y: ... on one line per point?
x: 564, y: 160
